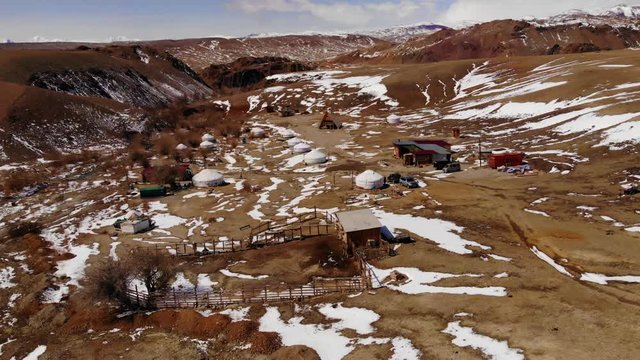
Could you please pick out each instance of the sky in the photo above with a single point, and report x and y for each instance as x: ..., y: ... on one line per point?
x: 105, y: 20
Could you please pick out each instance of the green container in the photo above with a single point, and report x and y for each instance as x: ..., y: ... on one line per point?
x: 152, y: 191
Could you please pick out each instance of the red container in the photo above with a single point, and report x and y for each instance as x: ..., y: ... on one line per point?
x: 506, y: 159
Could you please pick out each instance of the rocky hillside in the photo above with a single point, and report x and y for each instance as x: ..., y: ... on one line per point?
x: 249, y: 73
x: 200, y: 53
x: 67, y: 100
x: 573, y: 32
x: 400, y: 34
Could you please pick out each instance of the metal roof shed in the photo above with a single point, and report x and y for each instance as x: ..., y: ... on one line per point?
x: 359, y: 228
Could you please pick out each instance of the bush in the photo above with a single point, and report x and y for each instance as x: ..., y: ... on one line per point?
x: 111, y: 281
x: 20, y: 229
x: 165, y: 144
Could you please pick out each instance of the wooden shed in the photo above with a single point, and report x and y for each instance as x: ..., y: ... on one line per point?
x: 358, y: 229
x: 328, y: 122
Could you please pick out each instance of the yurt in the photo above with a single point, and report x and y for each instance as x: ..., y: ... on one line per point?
x: 207, y: 145
x: 207, y: 178
x: 181, y: 147
x: 293, y: 142
x: 287, y: 134
x: 257, y: 132
x: 208, y: 137
x: 301, y: 148
x: 370, y: 180
x: 315, y: 157
x: 393, y: 119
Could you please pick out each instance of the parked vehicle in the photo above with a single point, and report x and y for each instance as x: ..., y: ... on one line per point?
x: 439, y: 165
x: 452, y: 167
x: 394, y: 178
x: 409, y: 182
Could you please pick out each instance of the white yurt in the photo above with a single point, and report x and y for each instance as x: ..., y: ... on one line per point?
x: 257, y: 132
x: 315, y: 157
x: 181, y: 147
x: 287, y: 134
x: 293, y: 142
x: 301, y: 148
x: 207, y: 178
x: 393, y: 119
x: 208, y: 137
x: 370, y: 180
x: 207, y: 145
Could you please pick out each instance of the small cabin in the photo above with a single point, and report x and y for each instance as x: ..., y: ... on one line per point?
x: 136, y: 226
x: 359, y: 229
x: 422, y: 152
x: 329, y: 123
x: 515, y: 158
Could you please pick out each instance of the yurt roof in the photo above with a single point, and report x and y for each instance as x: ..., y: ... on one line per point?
x: 208, y: 175
x: 315, y: 154
x: 207, y: 144
x: 369, y: 175
x: 302, y: 146
x: 294, y: 141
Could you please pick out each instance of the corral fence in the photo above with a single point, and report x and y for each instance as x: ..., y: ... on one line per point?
x: 220, y: 298
x: 268, y: 233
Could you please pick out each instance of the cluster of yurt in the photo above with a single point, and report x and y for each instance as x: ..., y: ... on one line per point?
x: 208, y: 178
x: 257, y: 132
x: 315, y: 157
x: 370, y: 180
x: 208, y: 142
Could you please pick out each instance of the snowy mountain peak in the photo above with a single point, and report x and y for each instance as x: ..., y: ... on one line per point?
x: 623, y: 11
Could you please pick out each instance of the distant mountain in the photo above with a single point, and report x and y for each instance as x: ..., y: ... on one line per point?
x: 574, y: 31
x: 621, y: 16
x: 623, y: 11
x: 400, y: 34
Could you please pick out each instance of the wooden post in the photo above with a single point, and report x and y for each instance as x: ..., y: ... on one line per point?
x: 314, y: 288
x: 290, y: 293
x: 175, y: 300
x: 184, y: 248
x: 221, y: 301
x: 265, y: 294
x: 195, y: 291
x: 137, y: 296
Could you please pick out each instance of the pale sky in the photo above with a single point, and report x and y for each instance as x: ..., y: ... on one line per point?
x: 102, y: 20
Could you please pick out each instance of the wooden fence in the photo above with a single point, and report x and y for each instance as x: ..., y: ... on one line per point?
x: 219, y: 298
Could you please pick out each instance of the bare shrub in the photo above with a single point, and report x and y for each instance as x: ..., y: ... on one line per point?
x: 112, y: 280
x: 154, y: 269
x: 18, y: 180
x: 20, y: 229
x: 164, y: 174
x: 165, y: 144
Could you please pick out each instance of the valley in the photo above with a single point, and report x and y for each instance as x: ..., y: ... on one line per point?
x: 254, y: 252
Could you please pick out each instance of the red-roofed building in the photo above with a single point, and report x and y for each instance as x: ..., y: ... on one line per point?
x: 422, y: 152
